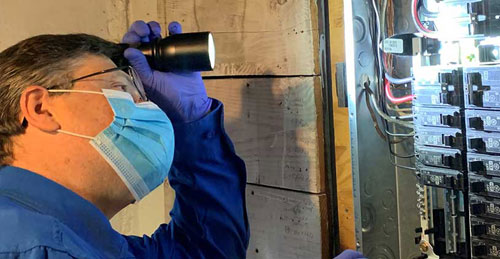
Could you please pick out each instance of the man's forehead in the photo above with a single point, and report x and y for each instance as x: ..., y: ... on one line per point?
x: 91, y: 64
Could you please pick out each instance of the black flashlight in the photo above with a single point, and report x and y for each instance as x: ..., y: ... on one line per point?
x: 185, y: 52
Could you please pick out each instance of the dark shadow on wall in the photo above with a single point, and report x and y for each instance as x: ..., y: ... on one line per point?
x: 272, y: 124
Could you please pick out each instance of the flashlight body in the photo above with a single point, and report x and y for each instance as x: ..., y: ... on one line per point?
x: 186, y: 52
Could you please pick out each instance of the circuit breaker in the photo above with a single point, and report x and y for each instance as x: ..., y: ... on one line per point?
x: 456, y: 111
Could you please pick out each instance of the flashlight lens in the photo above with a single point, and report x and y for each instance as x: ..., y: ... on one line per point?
x: 211, y: 50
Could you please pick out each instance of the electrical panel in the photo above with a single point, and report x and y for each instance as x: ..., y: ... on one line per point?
x: 431, y: 90
x: 456, y: 118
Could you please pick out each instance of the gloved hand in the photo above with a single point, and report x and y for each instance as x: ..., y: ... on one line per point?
x: 182, y: 96
x: 350, y: 254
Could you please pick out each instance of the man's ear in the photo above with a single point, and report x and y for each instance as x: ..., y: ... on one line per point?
x: 35, y: 109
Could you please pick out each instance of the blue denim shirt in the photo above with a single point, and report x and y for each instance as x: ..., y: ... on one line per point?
x: 42, y: 219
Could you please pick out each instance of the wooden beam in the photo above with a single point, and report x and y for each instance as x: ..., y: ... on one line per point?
x: 275, y: 124
x: 286, y: 224
x: 258, y: 37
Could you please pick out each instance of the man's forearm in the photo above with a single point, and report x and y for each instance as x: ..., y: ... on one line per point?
x: 209, y: 180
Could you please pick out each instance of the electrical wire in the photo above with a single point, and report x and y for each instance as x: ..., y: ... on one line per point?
x: 392, y: 98
x: 400, y: 135
x: 398, y: 81
x: 418, y: 24
x: 377, y: 45
x: 383, y: 16
x: 405, y: 117
x: 374, y: 118
x: 384, y: 115
x: 403, y: 166
x: 377, y: 99
x: 403, y: 111
x: 373, y: 100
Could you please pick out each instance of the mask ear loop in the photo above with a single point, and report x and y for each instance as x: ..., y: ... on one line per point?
x: 74, y: 91
x: 74, y: 134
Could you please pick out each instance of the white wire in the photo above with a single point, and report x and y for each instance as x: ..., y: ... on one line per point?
x: 414, y: 19
x: 403, y: 117
x: 377, y: 18
x: 372, y: 97
x: 411, y: 134
x: 387, y: 117
x: 398, y: 81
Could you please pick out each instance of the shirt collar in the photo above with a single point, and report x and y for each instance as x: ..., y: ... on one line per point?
x: 50, y: 198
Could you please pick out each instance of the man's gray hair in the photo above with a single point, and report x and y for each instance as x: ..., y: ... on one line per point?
x: 47, y: 61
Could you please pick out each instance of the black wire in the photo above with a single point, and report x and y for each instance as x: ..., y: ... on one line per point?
x: 390, y: 143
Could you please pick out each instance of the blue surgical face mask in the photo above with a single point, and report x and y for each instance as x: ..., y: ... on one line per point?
x: 138, y: 144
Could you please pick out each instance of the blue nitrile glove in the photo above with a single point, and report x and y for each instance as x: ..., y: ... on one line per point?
x: 182, y: 96
x: 350, y: 254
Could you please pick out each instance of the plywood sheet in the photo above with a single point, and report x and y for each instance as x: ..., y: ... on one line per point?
x: 286, y: 224
x: 258, y: 37
x: 275, y: 124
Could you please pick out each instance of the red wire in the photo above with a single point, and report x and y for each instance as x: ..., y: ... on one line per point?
x: 392, y: 98
x: 415, y: 13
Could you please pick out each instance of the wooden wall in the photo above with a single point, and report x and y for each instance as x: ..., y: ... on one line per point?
x: 267, y: 75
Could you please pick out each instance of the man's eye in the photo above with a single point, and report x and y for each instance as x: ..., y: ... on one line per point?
x: 120, y: 87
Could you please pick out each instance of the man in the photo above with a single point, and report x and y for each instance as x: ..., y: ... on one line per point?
x: 79, y: 143
x: 82, y: 136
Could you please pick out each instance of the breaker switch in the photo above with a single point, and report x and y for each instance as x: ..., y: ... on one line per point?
x: 478, y: 209
x: 452, y: 141
x: 474, y: 79
x: 476, y: 123
x: 451, y: 161
x: 476, y: 89
x: 449, y: 141
x: 479, y: 230
x: 478, y: 187
x: 429, y: 231
x: 480, y: 250
x: 446, y: 79
x: 451, y: 120
x: 477, y: 144
x: 477, y: 166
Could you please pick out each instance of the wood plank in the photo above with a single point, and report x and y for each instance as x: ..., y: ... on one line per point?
x: 275, y: 124
x: 22, y: 19
x: 258, y: 37
x: 145, y: 10
x: 342, y: 139
x: 286, y: 224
